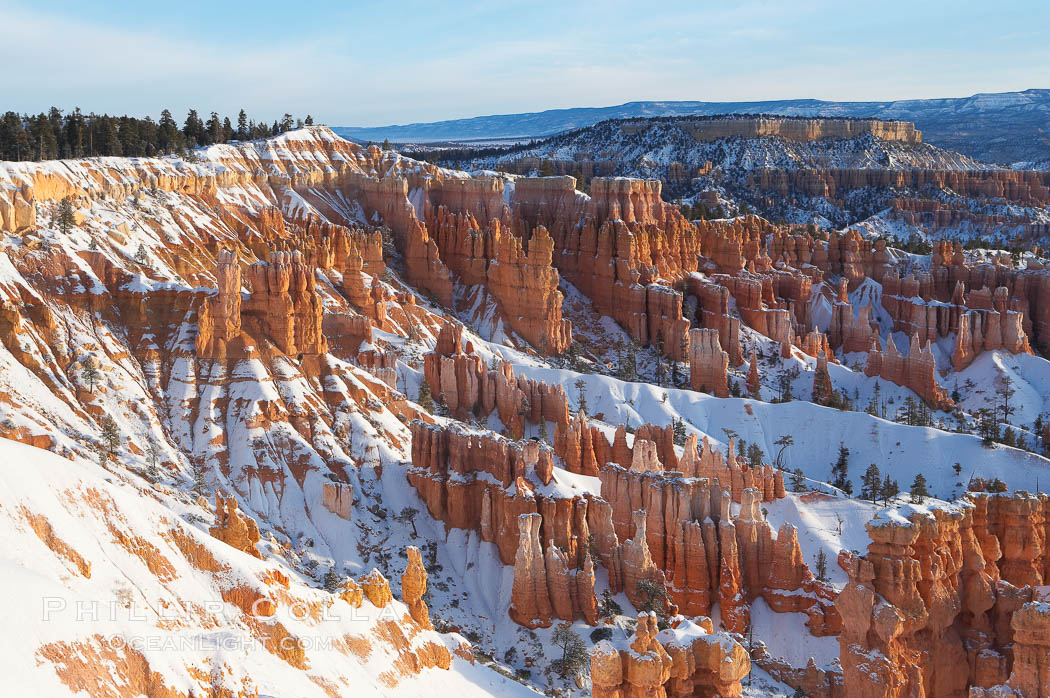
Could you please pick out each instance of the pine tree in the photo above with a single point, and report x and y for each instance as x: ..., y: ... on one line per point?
x: 822, y: 566
x: 193, y: 129
x: 627, y: 364
x: 110, y: 435
x: 169, y: 139
x: 129, y: 136
x: 331, y: 581
x: 1009, y: 438
x: 141, y: 256
x: 678, y: 429
x: 108, y: 140
x: 996, y: 485
x: 1004, y: 392
x: 821, y: 387
x: 840, y: 470
x: 214, y: 129
x: 242, y: 126
x: 14, y: 141
x: 608, y: 607
x: 54, y: 115
x: 871, y: 483
x: 987, y: 426
x: 798, y: 481
x: 64, y: 218
x: 573, y: 649
x: 755, y: 455
x: 90, y: 374
x: 890, y: 489
x: 74, y: 132
x: 200, y: 483
x: 784, y: 441
x: 918, y: 489
x: 147, y: 137
x: 425, y: 399
x: 654, y: 595
x: 784, y: 380
x: 408, y: 515
x: 42, y: 138
x: 153, y: 454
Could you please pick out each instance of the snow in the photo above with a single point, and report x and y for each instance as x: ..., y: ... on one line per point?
x: 900, y: 450
x: 816, y: 517
x: 787, y: 637
x: 123, y: 598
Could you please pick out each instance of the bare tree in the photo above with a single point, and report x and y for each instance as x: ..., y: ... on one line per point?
x: 408, y: 515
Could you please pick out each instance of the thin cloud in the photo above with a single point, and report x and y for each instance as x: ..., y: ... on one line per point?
x: 374, y: 65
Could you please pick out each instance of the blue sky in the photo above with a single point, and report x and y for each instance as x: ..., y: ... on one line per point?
x: 376, y: 63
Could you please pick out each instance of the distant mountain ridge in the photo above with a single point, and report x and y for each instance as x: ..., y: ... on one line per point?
x: 1000, y: 127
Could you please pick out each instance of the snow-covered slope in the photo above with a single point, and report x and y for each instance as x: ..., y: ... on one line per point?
x: 649, y: 150
x: 108, y: 569
x: 961, y: 124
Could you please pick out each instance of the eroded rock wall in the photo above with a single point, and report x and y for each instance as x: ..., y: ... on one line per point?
x: 937, y: 591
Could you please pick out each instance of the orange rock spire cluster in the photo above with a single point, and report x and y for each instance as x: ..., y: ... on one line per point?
x: 284, y: 304
x: 524, y: 284
x: 468, y: 387
x: 647, y: 524
x: 706, y: 555
x: 916, y: 370
x: 638, y: 260
x: 685, y: 660
x: 939, y: 599
x: 549, y: 584
x: 482, y: 482
x: 943, y: 601
x: 234, y: 528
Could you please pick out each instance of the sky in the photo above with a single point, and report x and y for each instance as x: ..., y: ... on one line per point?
x: 354, y: 63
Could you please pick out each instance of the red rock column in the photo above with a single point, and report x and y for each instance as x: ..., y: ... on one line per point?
x: 530, y: 603
x: 414, y: 586
x: 708, y: 364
